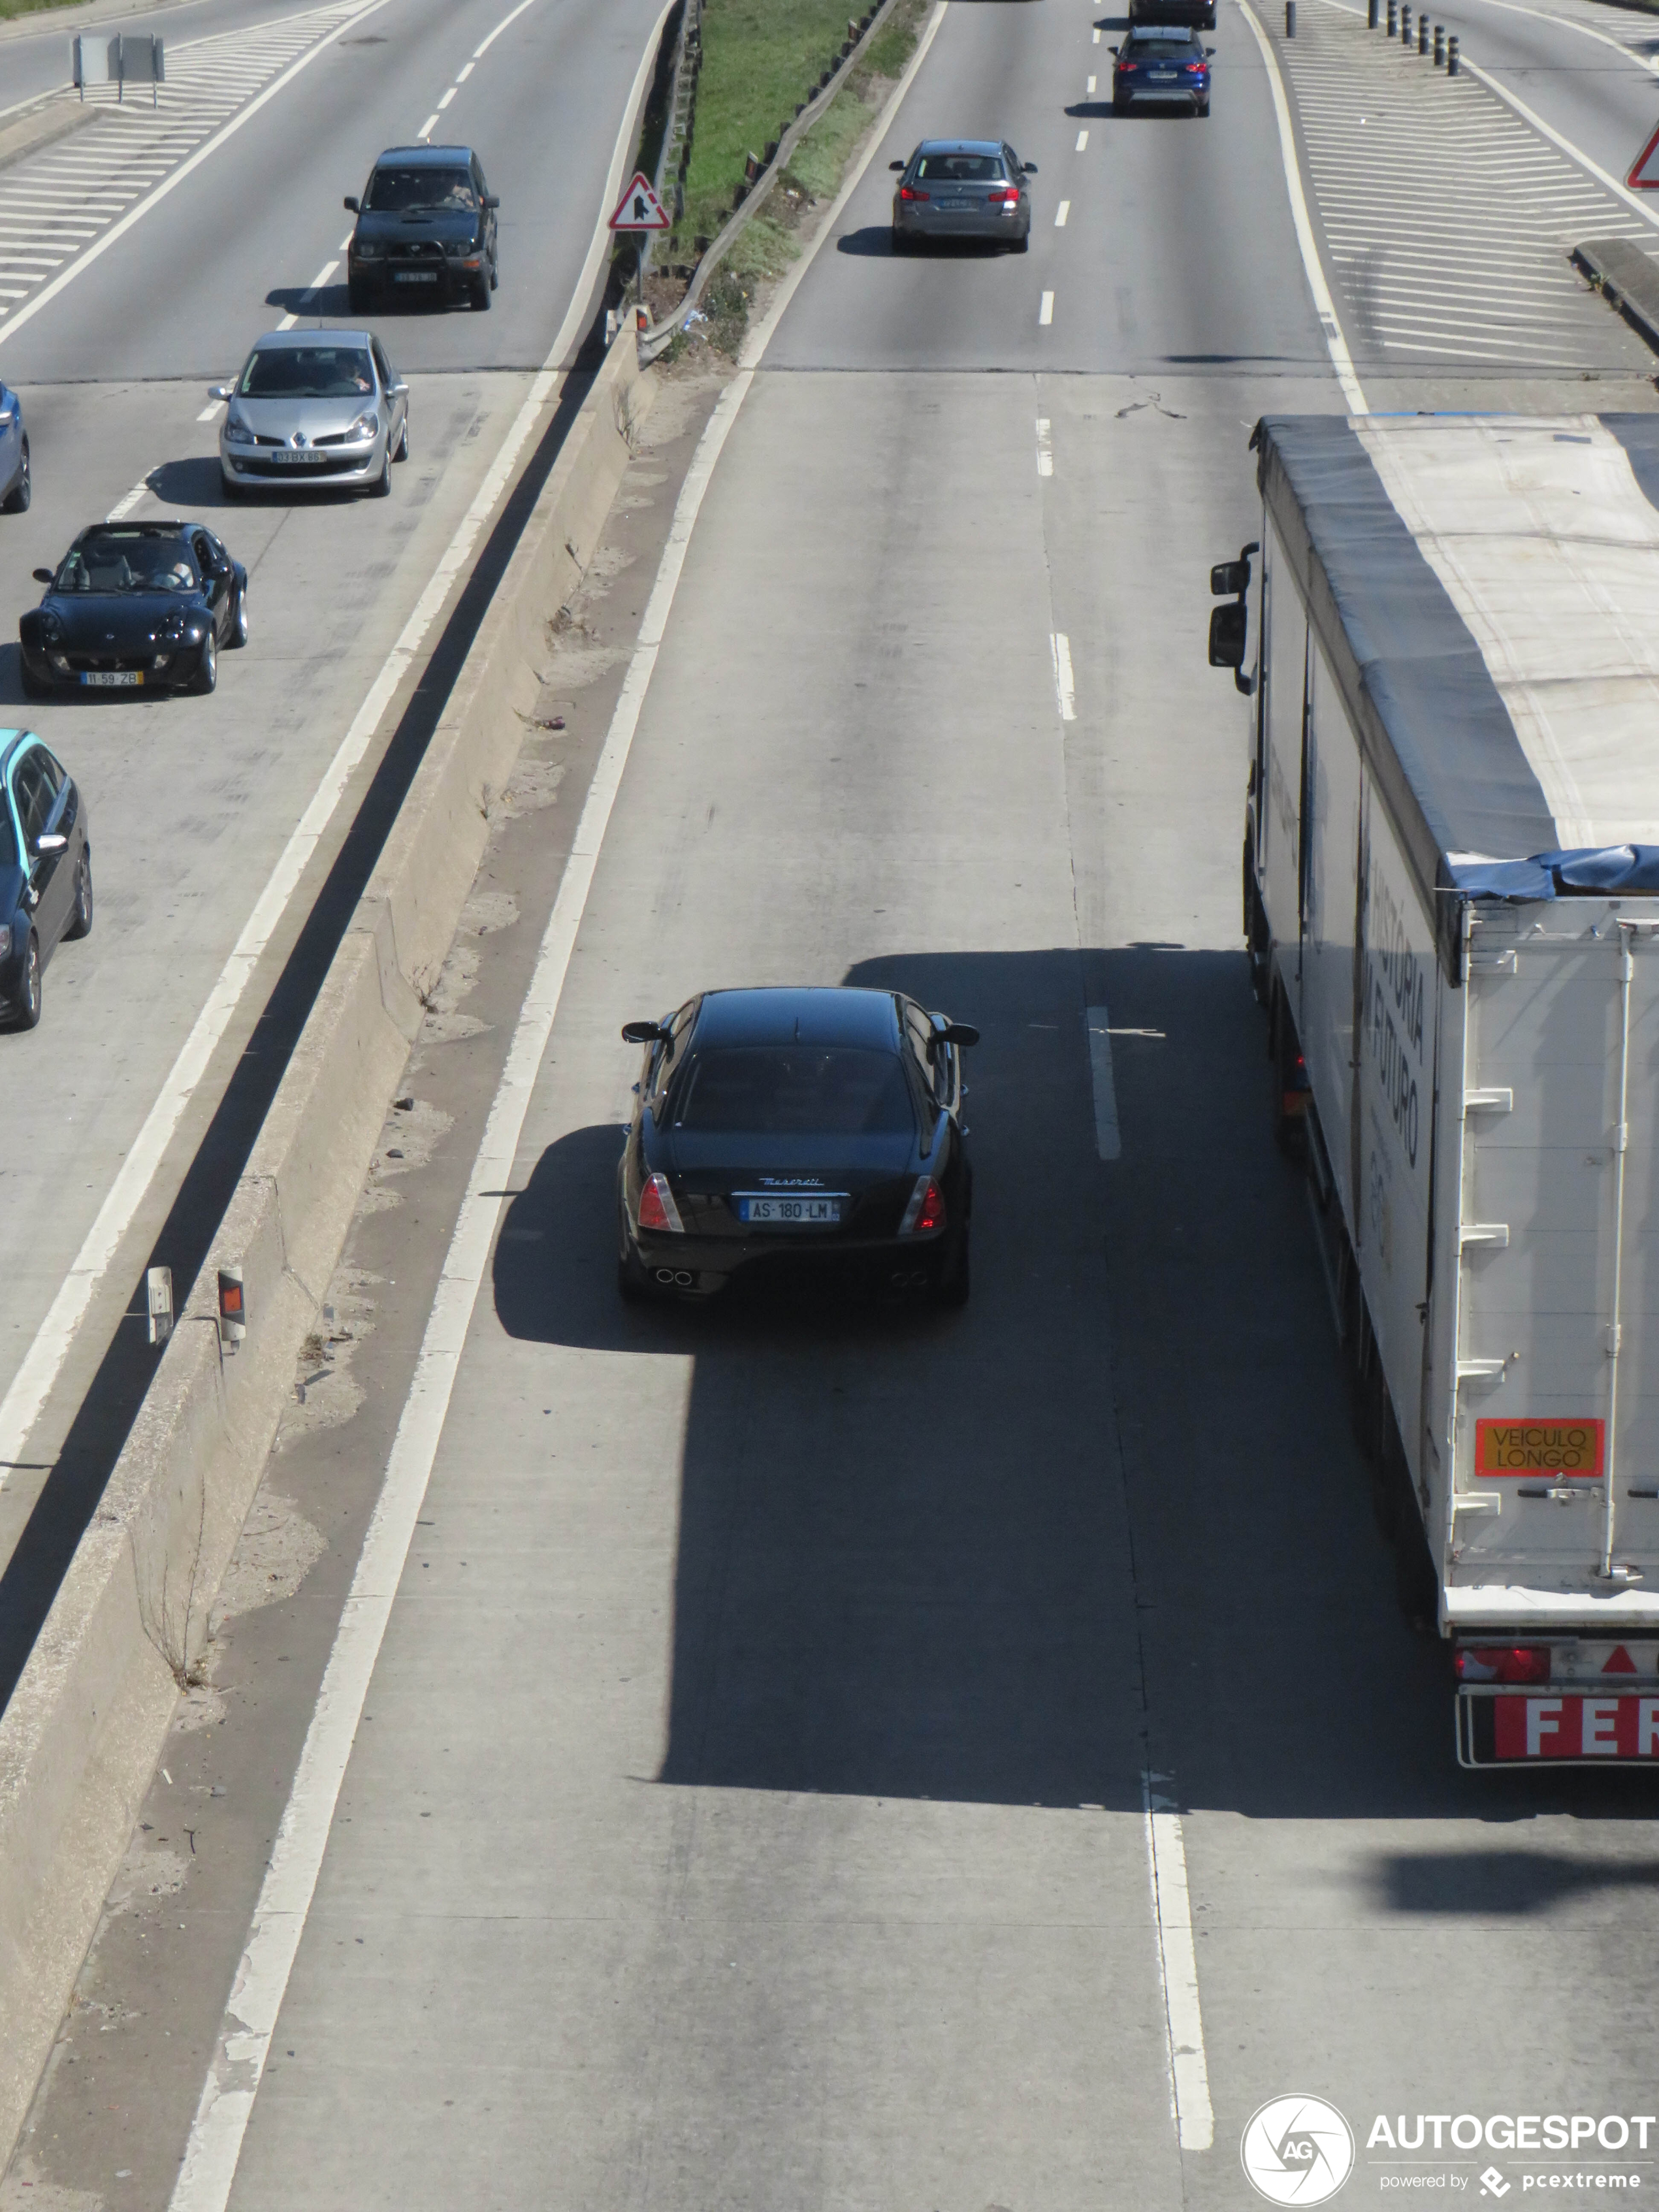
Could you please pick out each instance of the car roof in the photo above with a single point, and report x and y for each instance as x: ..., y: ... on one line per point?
x: 828, y: 1014
x: 960, y: 146
x: 274, y: 341
x: 135, y: 530
x: 427, y: 157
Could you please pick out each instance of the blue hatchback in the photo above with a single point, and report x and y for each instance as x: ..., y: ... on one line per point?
x: 14, y: 455
x: 1161, y: 63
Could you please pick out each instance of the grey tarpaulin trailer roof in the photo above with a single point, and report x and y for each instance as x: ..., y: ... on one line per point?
x: 1486, y: 592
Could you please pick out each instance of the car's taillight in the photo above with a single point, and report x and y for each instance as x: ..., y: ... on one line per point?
x: 909, y: 193
x: 1194, y: 68
x: 1008, y: 196
x: 926, y: 1209
x: 657, y: 1206
x: 1504, y: 1662
x: 1128, y: 69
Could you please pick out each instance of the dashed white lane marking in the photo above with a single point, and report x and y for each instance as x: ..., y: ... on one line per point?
x: 467, y: 73
x: 445, y: 102
x: 1061, y: 214
x: 505, y: 24
x: 1045, y: 448
x: 209, y: 410
x: 1089, y: 88
x: 310, y: 292
x: 1109, y: 1141
x: 1178, y: 1967
x: 1095, y: 42
x: 123, y: 507
x: 1046, y: 312
x: 1064, y: 689
x: 279, y: 1918
x: 429, y: 126
x: 1082, y: 141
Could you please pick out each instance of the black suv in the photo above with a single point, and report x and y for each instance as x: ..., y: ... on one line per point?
x: 426, y: 229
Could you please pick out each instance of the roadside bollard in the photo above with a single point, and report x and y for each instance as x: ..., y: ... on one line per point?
x: 1422, y: 35
x: 1451, y: 56
x: 1439, y: 44
x: 1394, y: 17
x: 1370, y: 14
x: 1404, y: 26
x: 1290, y: 19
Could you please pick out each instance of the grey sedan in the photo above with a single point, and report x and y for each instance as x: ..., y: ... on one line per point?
x: 963, y: 188
x: 322, y: 408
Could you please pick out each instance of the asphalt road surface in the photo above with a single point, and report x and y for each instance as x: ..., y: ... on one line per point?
x: 193, y: 803
x: 859, y: 1759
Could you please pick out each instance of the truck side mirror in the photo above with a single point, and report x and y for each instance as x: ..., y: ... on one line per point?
x: 1228, y: 627
x: 1228, y: 579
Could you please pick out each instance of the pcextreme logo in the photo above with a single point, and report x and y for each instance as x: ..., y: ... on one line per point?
x: 1297, y: 2150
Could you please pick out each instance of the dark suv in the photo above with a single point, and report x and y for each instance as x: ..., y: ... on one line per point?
x: 426, y: 229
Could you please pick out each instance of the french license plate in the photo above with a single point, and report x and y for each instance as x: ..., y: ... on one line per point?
x: 111, y: 679
x: 790, y: 1213
x: 415, y: 276
x: 1525, y: 1730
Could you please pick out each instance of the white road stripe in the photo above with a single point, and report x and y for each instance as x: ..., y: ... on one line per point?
x: 1061, y: 214
x: 42, y: 1363
x: 209, y: 410
x: 428, y: 127
x: 1045, y: 448
x: 1177, y: 1965
x: 123, y: 507
x: 1082, y: 141
x: 1046, y: 310
x: 467, y: 73
x: 1096, y: 39
x: 445, y: 102
x: 1109, y: 1141
x: 310, y: 292
x: 1089, y: 88
x: 506, y: 23
x: 1059, y: 648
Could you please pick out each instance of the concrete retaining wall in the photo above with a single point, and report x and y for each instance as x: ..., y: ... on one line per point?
x: 84, y: 1728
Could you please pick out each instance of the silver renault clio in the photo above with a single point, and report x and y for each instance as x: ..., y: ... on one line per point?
x: 318, y: 407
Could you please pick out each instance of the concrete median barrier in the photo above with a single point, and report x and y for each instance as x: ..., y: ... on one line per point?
x: 84, y: 1726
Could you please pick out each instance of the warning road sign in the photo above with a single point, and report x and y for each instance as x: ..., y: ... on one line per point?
x: 640, y: 209
x: 1645, y: 169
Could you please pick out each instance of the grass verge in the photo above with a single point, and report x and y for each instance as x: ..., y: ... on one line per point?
x: 10, y: 9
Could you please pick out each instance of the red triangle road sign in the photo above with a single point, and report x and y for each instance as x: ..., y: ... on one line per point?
x: 639, y: 209
x: 1645, y: 169
x: 1620, y: 1662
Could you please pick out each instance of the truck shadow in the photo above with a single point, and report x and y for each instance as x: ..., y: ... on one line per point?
x: 1110, y: 1517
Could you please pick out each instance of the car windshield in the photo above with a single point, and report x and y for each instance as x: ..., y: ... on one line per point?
x: 960, y: 168
x: 308, y: 373
x: 839, y: 1090
x: 128, y: 561
x: 419, y: 191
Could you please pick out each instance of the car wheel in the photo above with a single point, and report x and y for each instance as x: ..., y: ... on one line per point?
x: 402, y: 454
x: 81, y: 918
x: 1120, y: 106
x: 1203, y: 107
x: 238, y: 637
x: 232, y: 490
x: 381, y: 486
x: 481, y: 297
x: 955, y: 1279
x: 357, y: 294
x: 206, y: 677
x: 17, y: 499
x: 1023, y: 243
x: 28, y: 998
x: 33, y: 687
x: 495, y: 276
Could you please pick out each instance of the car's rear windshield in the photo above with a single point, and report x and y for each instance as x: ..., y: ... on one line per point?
x: 840, y: 1091
x: 308, y: 373
x: 961, y: 168
x: 1172, y: 46
x: 128, y: 561
x: 408, y: 192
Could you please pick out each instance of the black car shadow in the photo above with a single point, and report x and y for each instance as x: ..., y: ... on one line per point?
x: 875, y: 243
x: 11, y: 676
x: 327, y: 299
x: 193, y: 482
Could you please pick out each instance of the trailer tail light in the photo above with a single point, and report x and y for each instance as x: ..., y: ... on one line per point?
x: 926, y: 1209
x: 909, y: 193
x: 656, y: 1208
x: 1504, y: 1662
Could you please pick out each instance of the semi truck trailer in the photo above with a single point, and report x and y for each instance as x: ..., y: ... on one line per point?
x: 1447, y: 634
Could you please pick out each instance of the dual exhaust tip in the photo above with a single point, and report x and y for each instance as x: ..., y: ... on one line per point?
x: 679, y: 1279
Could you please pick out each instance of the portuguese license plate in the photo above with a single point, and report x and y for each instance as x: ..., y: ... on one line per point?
x: 416, y: 276
x: 1163, y: 76
x: 111, y: 679
x: 790, y: 1213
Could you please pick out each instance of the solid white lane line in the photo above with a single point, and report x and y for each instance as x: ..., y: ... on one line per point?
x: 1045, y: 311
x: 1061, y: 214
x: 1082, y: 141
x: 169, y: 182
x: 42, y: 1363
x: 428, y: 127
x: 506, y: 23
x: 1178, y: 1967
x: 1045, y: 448
x: 1109, y: 1141
x: 123, y: 507
x: 1059, y: 648
x: 1335, y: 343
x: 279, y: 1918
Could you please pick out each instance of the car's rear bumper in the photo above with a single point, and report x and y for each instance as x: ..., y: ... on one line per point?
x: 1161, y: 95
x: 700, y: 1265
x: 1006, y: 228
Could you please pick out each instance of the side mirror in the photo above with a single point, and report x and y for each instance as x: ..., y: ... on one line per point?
x: 1227, y: 634
x: 222, y: 391
x: 961, y: 1033
x: 1114, y: 50
x: 353, y: 204
x: 1030, y: 168
x: 1208, y: 51
x: 643, y: 1033
x: 44, y: 576
x: 490, y: 200
x: 1228, y: 579
x: 896, y: 165
x: 50, y: 843
x: 399, y: 389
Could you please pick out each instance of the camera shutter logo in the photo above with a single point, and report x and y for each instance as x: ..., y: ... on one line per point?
x: 1297, y: 2150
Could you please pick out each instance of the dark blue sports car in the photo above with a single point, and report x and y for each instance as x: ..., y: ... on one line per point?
x: 791, y: 1130
x: 135, y: 606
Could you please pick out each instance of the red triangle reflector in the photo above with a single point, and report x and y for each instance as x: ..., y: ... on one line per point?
x: 1619, y: 1663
